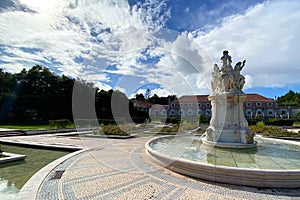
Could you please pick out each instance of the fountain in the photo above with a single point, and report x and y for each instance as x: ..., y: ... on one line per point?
x: 228, y: 125
x: 228, y: 152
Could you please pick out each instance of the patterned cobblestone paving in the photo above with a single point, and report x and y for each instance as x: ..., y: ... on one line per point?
x: 120, y: 169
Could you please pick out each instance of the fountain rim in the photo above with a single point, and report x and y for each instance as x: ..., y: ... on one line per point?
x: 265, y: 178
x: 151, y: 151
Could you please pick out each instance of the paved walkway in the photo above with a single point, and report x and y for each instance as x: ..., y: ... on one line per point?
x: 121, y: 169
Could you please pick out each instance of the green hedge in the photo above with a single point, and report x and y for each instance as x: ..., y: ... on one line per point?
x: 280, y: 122
x: 272, y: 121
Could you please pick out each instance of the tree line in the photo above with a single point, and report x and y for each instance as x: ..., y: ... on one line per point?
x: 38, y: 95
x: 291, y: 98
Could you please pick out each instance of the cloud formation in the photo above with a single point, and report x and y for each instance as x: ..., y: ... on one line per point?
x: 111, y: 41
x: 266, y: 36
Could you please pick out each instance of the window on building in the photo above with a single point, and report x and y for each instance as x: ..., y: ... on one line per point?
x: 190, y: 105
x: 199, y: 104
x: 172, y: 105
x: 248, y: 104
x: 172, y: 112
x: 270, y: 104
x: 258, y: 103
x: 249, y: 112
x: 207, y: 104
x: 270, y: 112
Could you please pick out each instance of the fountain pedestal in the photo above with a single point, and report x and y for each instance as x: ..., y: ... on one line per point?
x: 228, y: 125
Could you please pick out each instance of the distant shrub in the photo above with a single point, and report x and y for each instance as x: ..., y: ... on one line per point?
x: 204, y: 119
x: 261, y: 123
x: 252, y: 121
x: 188, y: 125
x: 59, y: 124
x: 171, y: 120
x: 113, y: 130
x: 166, y: 129
x: 170, y: 129
x: 84, y: 123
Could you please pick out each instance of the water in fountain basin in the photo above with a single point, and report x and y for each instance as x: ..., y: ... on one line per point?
x: 269, y: 154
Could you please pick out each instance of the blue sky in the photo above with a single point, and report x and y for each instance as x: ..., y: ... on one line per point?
x: 167, y: 46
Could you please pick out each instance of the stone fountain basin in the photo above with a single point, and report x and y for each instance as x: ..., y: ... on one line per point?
x: 239, y: 176
x: 9, y: 157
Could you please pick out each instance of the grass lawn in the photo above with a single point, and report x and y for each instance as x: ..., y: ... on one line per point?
x: 26, y: 127
x: 296, y: 123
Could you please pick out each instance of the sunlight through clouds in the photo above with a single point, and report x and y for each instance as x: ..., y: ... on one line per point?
x: 103, y: 41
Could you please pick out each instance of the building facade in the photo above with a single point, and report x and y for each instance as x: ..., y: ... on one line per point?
x: 194, y: 106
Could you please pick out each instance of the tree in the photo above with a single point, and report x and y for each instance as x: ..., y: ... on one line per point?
x: 291, y: 98
x: 139, y: 97
x: 40, y: 95
x: 8, y: 88
x: 161, y: 100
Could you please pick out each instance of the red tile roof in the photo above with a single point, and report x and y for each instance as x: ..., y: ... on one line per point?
x: 257, y: 97
x: 192, y: 98
x: 158, y: 106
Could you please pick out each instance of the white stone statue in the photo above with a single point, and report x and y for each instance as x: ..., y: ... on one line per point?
x: 228, y: 125
x: 239, y: 79
x: 227, y: 79
x: 216, y: 84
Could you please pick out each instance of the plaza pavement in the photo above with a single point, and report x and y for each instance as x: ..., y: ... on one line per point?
x: 121, y: 169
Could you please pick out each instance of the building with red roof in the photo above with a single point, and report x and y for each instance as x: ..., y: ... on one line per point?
x: 193, y: 106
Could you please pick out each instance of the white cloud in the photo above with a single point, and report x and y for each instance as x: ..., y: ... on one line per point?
x: 120, y: 89
x: 183, y: 65
x: 266, y: 36
x: 139, y: 91
x: 249, y: 82
x: 85, y: 37
x: 102, y: 86
x: 107, y: 30
x: 161, y: 92
x: 158, y: 91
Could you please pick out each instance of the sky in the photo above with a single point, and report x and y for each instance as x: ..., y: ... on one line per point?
x: 167, y: 46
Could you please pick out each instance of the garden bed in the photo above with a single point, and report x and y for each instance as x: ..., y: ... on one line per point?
x: 273, y: 131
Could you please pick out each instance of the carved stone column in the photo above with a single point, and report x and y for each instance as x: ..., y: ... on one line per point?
x: 228, y: 125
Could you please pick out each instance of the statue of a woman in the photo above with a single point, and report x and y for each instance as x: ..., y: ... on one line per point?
x: 216, y: 79
x: 226, y: 61
x: 239, y: 79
